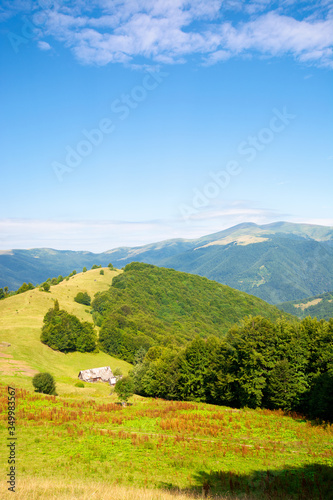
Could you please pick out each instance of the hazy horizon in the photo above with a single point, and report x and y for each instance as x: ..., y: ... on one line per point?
x: 5, y: 250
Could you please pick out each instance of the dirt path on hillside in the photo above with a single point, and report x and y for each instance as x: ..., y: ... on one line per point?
x: 10, y: 366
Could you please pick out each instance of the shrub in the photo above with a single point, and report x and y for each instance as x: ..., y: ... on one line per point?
x: 79, y: 384
x: 97, y: 318
x: 60, y: 330
x: 124, y: 388
x: 44, y: 383
x: 46, y: 286
x: 64, y: 332
x: 84, y: 270
x: 83, y: 298
x: 101, y: 271
x: 25, y: 287
x: 117, y: 372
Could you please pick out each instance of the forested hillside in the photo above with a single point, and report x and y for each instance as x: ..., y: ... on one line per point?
x: 277, y: 262
x: 319, y: 306
x: 149, y: 306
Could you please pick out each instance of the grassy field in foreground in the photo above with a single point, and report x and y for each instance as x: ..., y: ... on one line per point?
x: 21, y: 320
x: 33, y: 489
x: 167, y: 445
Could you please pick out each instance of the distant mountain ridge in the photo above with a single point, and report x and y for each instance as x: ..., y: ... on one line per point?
x: 320, y: 307
x: 277, y: 262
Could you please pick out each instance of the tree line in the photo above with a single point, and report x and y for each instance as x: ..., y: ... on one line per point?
x: 46, y: 285
x: 259, y: 363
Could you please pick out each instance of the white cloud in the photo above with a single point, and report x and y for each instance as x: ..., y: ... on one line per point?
x: 109, y: 31
x: 44, y: 45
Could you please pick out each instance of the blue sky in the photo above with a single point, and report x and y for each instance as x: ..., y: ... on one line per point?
x: 124, y: 123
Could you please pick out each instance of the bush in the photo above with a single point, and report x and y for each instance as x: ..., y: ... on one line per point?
x: 64, y: 332
x: 118, y: 374
x: 46, y: 286
x: 124, y: 388
x: 97, y: 318
x: 44, y: 383
x: 101, y: 271
x: 79, y: 384
x: 25, y: 287
x: 83, y: 298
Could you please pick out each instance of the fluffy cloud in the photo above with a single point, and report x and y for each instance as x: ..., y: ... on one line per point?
x: 44, y: 45
x: 170, y: 31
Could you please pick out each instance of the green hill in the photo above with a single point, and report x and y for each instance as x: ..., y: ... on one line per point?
x: 277, y: 262
x: 21, y: 320
x: 319, y: 306
x: 149, y: 306
x: 145, y: 306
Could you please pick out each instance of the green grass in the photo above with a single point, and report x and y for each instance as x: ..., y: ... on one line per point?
x: 170, y: 445
x: 21, y: 320
x: 83, y: 435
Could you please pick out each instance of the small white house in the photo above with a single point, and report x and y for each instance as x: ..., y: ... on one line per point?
x: 103, y: 374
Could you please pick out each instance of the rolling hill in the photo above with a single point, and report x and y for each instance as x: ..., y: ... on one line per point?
x: 319, y: 306
x: 277, y: 262
x: 150, y: 306
x: 21, y: 319
x: 145, y: 306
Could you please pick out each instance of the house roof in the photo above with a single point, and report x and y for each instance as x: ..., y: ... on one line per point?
x: 104, y: 373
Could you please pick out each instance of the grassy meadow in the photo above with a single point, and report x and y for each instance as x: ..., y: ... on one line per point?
x: 185, y: 447
x: 21, y: 320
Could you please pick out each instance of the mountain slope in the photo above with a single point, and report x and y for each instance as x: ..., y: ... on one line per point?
x: 272, y: 270
x: 38, y: 264
x: 319, y: 306
x: 149, y: 306
x: 277, y: 262
x: 21, y: 319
